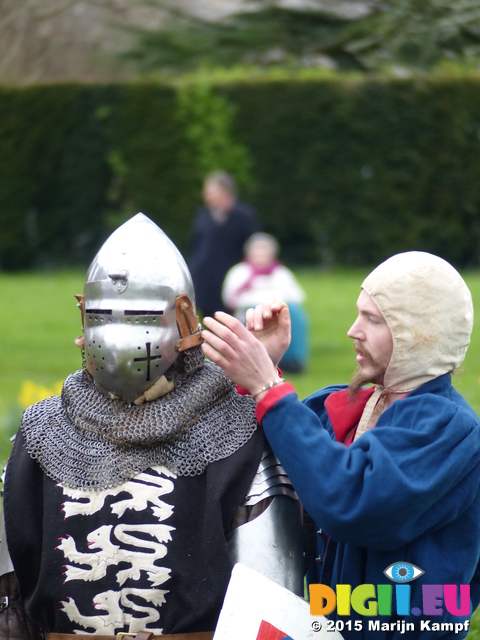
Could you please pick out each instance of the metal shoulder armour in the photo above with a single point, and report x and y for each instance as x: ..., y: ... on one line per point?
x: 271, y: 542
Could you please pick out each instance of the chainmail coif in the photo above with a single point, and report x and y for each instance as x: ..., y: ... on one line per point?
x: 85, y: 440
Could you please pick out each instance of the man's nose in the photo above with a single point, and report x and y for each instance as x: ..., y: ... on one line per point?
x: 355, y: 332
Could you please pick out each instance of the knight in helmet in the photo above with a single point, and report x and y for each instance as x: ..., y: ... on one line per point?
x: 128, y: 498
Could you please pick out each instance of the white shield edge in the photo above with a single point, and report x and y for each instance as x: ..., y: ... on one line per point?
x: 251, y: 598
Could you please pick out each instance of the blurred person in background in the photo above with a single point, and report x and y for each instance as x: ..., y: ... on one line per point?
x: 220, y: 230
x: 261, y: 277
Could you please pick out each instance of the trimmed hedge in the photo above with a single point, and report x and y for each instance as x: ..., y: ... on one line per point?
x: 343, y: 171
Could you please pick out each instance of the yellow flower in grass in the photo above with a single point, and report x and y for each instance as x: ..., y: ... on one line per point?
x: 31, y: 392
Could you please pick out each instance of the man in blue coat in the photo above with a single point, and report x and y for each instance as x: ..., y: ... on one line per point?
x: 391, y: 472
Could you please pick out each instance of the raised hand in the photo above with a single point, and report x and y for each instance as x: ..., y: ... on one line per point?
x: 238, y: 352
x: 270, y: 324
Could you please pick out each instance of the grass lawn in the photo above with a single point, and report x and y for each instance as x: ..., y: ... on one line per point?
x: 39, y: 321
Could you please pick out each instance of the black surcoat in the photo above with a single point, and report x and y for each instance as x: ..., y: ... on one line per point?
x: 148, y: 554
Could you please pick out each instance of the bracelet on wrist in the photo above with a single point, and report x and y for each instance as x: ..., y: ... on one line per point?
x: 269, y: 385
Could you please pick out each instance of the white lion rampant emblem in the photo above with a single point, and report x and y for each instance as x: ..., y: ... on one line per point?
x: 134, y: 548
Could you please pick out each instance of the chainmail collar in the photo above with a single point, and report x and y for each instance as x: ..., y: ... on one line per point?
x: 83, y: 439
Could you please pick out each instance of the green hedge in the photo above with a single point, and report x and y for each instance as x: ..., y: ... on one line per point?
x: 343, y: 171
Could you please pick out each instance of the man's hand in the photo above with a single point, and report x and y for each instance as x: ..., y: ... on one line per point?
x: 238, y: 352
x: 270, y: 323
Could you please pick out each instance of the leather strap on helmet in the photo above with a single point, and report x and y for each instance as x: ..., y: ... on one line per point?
x: 81, y: 306
x: 188, y: 324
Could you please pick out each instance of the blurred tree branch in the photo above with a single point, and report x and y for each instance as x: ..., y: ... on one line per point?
x: 80, y: 39
x: 60, y: 38
x: 263, y: 33
x: 410, y: 34
x: 418, y: 34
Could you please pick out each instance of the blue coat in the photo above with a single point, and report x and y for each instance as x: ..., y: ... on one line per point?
x: 406, y: 491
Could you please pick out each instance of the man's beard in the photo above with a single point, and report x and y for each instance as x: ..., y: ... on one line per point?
x: 360, y: 378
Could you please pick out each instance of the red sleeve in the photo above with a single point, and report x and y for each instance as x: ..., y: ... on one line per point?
x: 242, y: 391
x: 272, y: 396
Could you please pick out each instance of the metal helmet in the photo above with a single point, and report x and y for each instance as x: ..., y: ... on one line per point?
x: 137, y: 309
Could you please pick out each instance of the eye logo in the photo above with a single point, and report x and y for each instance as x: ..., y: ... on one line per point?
x: 403, y: 572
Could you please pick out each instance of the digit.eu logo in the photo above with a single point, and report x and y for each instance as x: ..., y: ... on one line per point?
x: 377, y: 600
